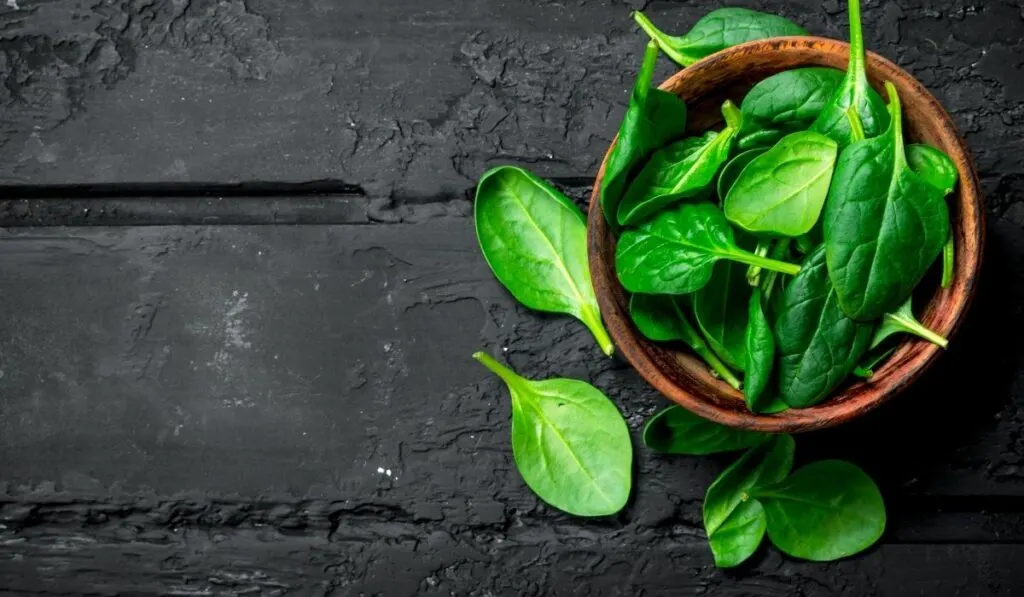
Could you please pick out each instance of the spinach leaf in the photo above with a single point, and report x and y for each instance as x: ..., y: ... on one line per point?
x: 760, y: 345
x: 763, y: 139
x: 902, y: 321
x: 652, y: 119
x: 884, y: 224
x: 661, y: 317
x: 535, y: 241
x: 676, y: 430
x: 569, y: 441
x: 790, y: 100
x: 939, y: 171
x: 716, y: 31
x: 732, y: 170
x: 817, y: 343
x: 782, y: 191
x: 854, y: 91
x: 735, y: 523
x: 867, y: 366
x: 681, y: 170
x: 824, y: 511
x: 675, y: 252
x: 720, y: 309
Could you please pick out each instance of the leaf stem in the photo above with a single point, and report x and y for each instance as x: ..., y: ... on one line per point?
x: 790, y: 269
x: 754, y: 271
x: 857, y: 57
x: 913, y: 326
x: 646, y: 74
x: 506, y: 374
x: 948, y: 261
x: 716, y: 364
x: 856, y: 128
x: 592, y: 318
x: 659, y: 38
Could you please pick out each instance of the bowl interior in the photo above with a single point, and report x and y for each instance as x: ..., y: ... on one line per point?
x: 685, y: 379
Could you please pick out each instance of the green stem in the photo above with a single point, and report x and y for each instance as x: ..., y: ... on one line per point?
x: 913, y: 326
x: 646, y: 74
x: 754, y: 271
x: 856, y: 128
x: 896, y: 111
x: 863, y: 373
x: 592, y: 318
x: 790, y: 269
x: 660, y: 39
x: 716, y: 364
x: 506, y: 374
x: 732, y: 115
x: 857, y: 57
x: 948, y: 261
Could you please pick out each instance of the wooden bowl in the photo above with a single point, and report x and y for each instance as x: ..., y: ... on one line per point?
x: 686, y: 380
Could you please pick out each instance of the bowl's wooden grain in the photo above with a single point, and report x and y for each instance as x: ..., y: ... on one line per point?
x: 685, y: 379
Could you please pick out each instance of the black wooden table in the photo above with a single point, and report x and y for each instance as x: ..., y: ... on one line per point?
x: 239, y: 290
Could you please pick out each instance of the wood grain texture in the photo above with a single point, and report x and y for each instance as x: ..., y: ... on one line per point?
x: 688, y: 381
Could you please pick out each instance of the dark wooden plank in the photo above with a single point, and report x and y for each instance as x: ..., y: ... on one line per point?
x: 410, y: 100
x: 302, y: 361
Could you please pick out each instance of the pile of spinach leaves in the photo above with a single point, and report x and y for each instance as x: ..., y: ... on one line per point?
x: 782, y: 248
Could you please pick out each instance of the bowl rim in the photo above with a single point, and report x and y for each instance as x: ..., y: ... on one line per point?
x: 912, y: 357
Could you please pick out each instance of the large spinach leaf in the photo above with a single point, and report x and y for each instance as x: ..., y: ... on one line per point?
x: 854, y: 91
x: 570, y: 443
x: 782, y: 191
x: 824, y: 511
x: 818, y: 344
x: 720, y: 309
x: 676, y: 251
x: 735, y: 523
x: 902, y: 321
x: 535, y: 241
x: 884, y: 224
x: 676, y: 430
x: 652, y: 119
x: 662, y: 318
x: 760, y: 352
x: 716, y: 31
x: 681, y: 170
x: 790, y: 100
x: 939, y: 171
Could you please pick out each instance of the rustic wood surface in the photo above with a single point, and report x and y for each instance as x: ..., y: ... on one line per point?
x: 241, y: 288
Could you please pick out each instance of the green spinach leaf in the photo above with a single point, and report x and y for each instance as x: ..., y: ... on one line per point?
x: 732, y: 170
x: 884, y: 224
x: 782, y: 191
x: 735, y: 523
x: 681, y: 170
x: 760, y: 345
x: 535, y: 241
x: 716, y: 31
x: 790, y: 100
x: 763, y: 139
x: 570, y: 443
x: 662, y: 318
x: 824, y: 511
x: 902, y: 321
x: 939, y: 171
x: 675, y: 252
x: 652, y: 119
x: 818, y: 344
x: 853, y: 91
x: 720, y: 309
x: 676, y: 430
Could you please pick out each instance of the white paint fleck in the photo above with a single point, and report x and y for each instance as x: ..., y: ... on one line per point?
x: 387, y: 347
x: 504, y: 348
x: 390, y: 299
x: 235, y: 332
x: 316, y: 287
x: 13, y: 4
x: 380, y: 470
x: 388, y: 472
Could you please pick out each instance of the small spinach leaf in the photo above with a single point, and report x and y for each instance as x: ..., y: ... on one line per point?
x: 681, y: 170
x: 902, y: 321
x: 676, y: 430
x: 884, y: 224
x: 735, y: 523
x: 760, y: 345
x: 790, y: 100
x: 732, y: 170
x: 716, y: 31
x: 854, y: 91
x: 570, y: 443
x: 675, y: 252
x: 535, y: 241
x: 652, y: 119
x: 720, y: 309
x: 939, y: 171
x: 824, y: 511
x: 661, y: 317
x: 782, y: 191
x: 817, y: 343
